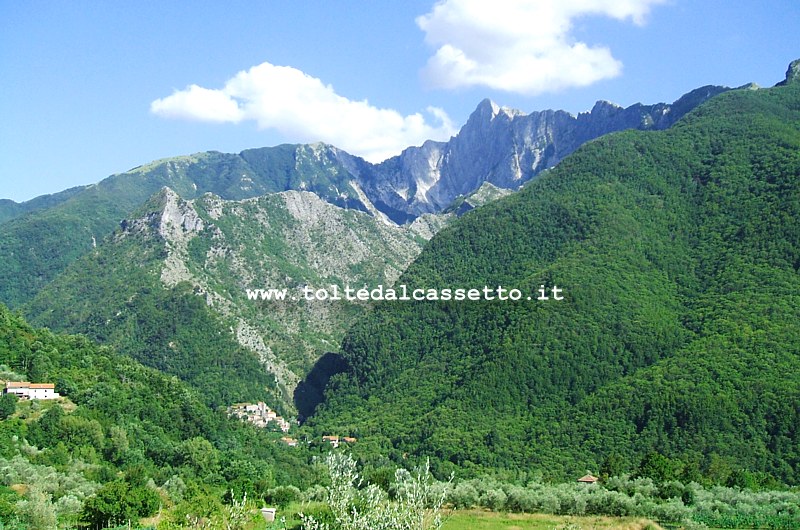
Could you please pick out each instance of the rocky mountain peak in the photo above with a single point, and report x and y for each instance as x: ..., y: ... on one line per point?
x: 603, y: 107
x: 793, y: 72
x: 167, y: 214
x: 487, y: 111
x: 504, y: 147
x: 178, y: 217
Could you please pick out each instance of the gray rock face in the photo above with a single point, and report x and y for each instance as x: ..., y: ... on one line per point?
x: 792, y: 73
x: 504, y: 147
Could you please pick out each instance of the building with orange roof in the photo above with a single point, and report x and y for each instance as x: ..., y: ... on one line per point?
x: 28, y: 390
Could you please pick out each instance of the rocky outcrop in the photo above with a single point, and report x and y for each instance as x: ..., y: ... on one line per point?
x: 792, y: 73
x: 504, y: 147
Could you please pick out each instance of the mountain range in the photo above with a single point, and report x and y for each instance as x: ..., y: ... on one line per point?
x: 170, y: 286
x: 107, y: 259
x: 497, y: 145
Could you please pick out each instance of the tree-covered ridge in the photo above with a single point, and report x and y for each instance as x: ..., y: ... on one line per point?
x: 125, y: 442
x: 10, y: 209
x: 678, y: 255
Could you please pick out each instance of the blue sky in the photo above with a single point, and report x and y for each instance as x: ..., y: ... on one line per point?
x: 94, y: 88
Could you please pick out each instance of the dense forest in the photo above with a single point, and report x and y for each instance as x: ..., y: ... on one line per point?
x: 127, y: 446
x: 678, y: 254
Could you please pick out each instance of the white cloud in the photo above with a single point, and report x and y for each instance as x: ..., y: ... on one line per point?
x: 304, y: 109
x: 198, y: 103
x: 522, y: 46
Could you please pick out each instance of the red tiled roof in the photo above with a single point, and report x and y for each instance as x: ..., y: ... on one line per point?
x: 18, y: 384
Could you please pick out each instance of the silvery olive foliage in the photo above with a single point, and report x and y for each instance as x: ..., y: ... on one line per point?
x: 356, y: 506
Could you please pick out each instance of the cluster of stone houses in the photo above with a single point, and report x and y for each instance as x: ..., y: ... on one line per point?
x: 259, y: 414
x: 335, y: 441
x: 28, y: 390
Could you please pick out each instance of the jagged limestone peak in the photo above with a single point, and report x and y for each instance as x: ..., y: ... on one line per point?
x: 166, y: 213
x: 793, y: 72
x: 487, y: 110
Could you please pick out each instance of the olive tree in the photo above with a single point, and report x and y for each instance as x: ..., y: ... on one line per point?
x: 354, y: 507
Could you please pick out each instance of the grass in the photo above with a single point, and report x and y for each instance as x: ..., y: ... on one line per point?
x: 476, y: 519
x: 485, y: 520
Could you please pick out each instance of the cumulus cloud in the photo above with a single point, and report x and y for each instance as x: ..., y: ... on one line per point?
x: 305, y: 109
x: 522, y: 46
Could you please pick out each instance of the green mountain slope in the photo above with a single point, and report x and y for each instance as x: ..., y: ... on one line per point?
x: 114, y: 295
x: 170, y: 287
x: 678, y: 254
x: 502, y: 146
x: 123, y: 432
x: 10, y: 209
x: 37, y: 246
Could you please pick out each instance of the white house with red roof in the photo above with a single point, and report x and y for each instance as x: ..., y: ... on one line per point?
x: 28, y: 390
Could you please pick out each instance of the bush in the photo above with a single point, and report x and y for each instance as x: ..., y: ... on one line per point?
x: 282, y: 496
x: 671, y: 490
x: 494, y: 499
x: 463, y: 495
x: 369, y: 508
x: 604, y: 502
x: 37, y: 510
x: 118, y: 502
x: 316, y: 493
x: 8, y: 405
x: 672, y: 511
x: 520, y: 500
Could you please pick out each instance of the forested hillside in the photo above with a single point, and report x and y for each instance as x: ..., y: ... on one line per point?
x: 677, y: 343
x: 126, y: 442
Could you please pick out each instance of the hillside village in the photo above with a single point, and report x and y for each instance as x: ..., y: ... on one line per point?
x: 259, y: 414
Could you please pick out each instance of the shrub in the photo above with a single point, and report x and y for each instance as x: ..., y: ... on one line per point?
x: 494, y: 499
x: 8, y: 405
x: 369, y: 508
x: 118, y: 502
x: 670, y: 490
x: 282, y: 496
x: 520, y: 499
x: 316, y: 493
